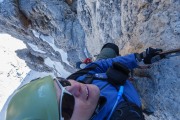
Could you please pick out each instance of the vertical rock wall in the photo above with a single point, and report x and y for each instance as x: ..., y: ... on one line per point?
x: 60, y: 33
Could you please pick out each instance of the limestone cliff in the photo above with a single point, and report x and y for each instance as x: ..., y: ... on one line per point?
x: 58, y: 33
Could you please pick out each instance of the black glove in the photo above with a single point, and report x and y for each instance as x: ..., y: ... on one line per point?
x: 149, y: 54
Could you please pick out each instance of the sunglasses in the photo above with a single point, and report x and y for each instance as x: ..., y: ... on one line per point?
x: 67, y: 101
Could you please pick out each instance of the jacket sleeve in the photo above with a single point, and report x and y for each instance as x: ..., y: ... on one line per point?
x: 129, y: 61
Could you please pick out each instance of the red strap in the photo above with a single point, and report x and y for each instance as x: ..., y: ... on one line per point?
x: 87, y: 60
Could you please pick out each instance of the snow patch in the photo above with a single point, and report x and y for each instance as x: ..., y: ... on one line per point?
x: 12, y: 69
x: 63, y: 55
x: 36, y: 34
x: 60, y: 71
x: 86, y: 53
x: 50, y: 40
x: 35, y: 48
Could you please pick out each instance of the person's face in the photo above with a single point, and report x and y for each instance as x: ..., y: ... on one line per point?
x: 86, y: 98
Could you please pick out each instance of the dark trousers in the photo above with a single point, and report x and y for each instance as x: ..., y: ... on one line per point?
x: 106, y: 53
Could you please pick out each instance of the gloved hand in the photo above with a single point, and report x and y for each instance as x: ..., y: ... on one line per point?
x: 148, y: 54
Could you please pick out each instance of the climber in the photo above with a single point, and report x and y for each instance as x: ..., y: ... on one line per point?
x: 100, y: 91
x: 106, y: 49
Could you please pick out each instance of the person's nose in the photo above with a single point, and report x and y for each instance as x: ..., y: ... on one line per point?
x: 75, y: 89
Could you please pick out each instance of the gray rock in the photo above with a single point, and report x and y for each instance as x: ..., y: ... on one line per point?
x: 50, y: 27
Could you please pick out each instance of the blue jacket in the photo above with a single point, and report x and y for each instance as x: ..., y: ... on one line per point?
x: 109, y: 91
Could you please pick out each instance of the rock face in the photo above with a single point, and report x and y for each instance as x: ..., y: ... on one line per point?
x: 60, y: 33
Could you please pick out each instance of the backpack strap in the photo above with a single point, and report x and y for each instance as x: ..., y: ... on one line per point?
x: 126, y: 109
x: 90, y: 77
x: 81, y: 72
x: 115, y: 75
